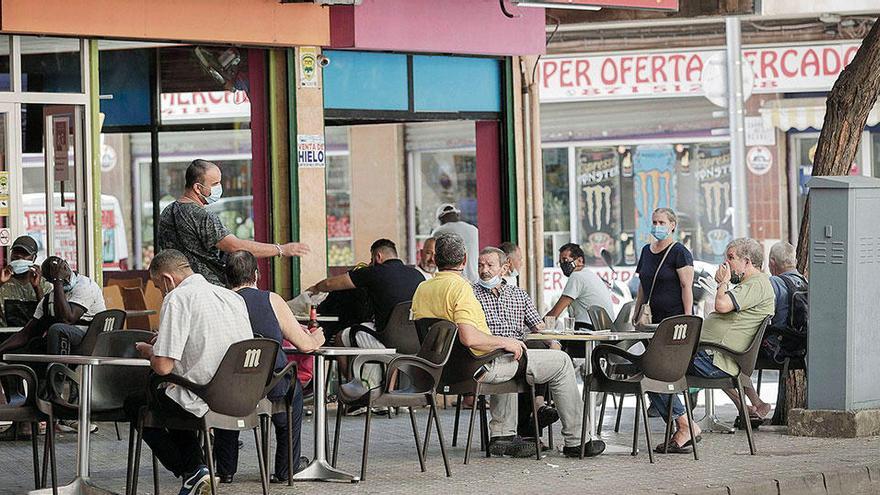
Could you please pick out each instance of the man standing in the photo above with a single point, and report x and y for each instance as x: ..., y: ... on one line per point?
x: 426, y: 265
x: 449, y: 297
x: 21, y: 280
x: 198, y: 323
x: 450, y: 222
x: 185, y: 225
x: 583, y: 289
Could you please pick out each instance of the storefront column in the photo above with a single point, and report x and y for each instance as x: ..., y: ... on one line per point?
x: 257, y: 77
x: 93, y: 179
x: 488, y: 182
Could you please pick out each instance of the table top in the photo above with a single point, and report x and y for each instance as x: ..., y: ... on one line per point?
x: 10, y: 329
x: 587, y: 337
x: 76, y: 360
x: 343, y: 351
x: 327, y: 318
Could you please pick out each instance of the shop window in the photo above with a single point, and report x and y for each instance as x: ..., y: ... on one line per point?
x: 5, y: 80
x: 444, y: 177
x: 125, y: 185
x: 51, y: 65
x: 125, y: 86
x: 340, y: 249
x: 875, y: 153
x: 556, y: 203
x: 804, y: 150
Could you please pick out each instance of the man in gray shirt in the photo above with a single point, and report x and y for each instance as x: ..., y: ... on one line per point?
x: 185, y: 225
x: 583, y: 289
x: 450, y: 222
x: 197, y: 324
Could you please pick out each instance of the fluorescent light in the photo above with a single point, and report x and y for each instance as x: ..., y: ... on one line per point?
x: 553, y: 5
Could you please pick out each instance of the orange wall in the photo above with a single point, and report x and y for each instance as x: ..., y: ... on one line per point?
x: 259, y: 22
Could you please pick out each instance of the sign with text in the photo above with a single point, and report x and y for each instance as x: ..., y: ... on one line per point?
x: 620, y: 4
x: 61, y: 145
x: 310, y: 150
x: 205, y: 105
x: 776, y: 69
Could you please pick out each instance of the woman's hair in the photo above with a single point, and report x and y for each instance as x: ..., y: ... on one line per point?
x: 241, y: 269
x: 670, y: 214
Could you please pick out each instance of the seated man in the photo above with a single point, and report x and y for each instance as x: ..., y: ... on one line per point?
x: 426, y: 265
x: 198, y: 323
x: 270, y: 318
x: 449, y: 296
x: 21, y: 280
x: 63, y: 314
x: 738, y: 315
x: 511, y: 313
x: 515, y: 262
x: 583, y: 289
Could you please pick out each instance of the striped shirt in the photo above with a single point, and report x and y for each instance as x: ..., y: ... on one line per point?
x: 510, y: 312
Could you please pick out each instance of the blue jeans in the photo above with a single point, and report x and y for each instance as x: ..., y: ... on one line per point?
x: 702, y: 366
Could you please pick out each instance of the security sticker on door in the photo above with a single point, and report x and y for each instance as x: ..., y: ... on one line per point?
x: 5, y: 237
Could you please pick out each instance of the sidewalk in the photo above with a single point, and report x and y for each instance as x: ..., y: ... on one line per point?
x: 797, y: 463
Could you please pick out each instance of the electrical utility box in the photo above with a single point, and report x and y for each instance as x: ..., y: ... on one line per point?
x: 843, y: 349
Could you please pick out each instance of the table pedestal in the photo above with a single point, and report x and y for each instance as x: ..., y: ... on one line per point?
x: 710, y: 421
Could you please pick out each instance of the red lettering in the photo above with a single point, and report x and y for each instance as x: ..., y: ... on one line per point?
x: 642, y: 69
x: 694, y: 68
x: 830, y: 62
x: 183, y: 100
x: 581, y: 68
x: 676, y: 71
x: 768, y: 64
x: 625, y: 67
x: 608, y: 72
x: 850, y: 55
x: 811, y: 59
x: 787, y: 71
x: 564, y: 71
x: 200, y: 98
x: 548, y: 71
x: 657, y: 65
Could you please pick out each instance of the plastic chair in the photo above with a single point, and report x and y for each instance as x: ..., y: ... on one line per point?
x: 32, y: 410
x: 400, y: 333
x: 113, y: 297
x: 458, y: 379
x: 133, y: 298
x: 616, y: 365
x: 660, y: 369
x: 745, y: 360
x: 787, y: 364
x: 246, y: 368
x: 623, y: 321
x: 105, y: 321
x: 153, y: 300
x: 284, y: 405
x: 424, y: 371
x: 126, y: 282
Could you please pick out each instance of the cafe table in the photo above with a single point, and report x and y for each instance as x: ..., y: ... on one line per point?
x: 590, y: 339
x: 81, y: 484
x: 319, y: 469
x: 321, y: 318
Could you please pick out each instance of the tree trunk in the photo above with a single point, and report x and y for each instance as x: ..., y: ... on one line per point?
x: 847, y: 108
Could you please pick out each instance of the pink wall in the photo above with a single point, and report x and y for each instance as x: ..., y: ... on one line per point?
x: 446, y: 26
x: 489, y: 182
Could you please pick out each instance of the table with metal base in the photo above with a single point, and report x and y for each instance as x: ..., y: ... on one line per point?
x: 710, y: 422
x: 81, y: 483
x: 320, y: 469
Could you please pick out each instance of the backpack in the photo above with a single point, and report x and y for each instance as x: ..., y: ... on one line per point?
x: 793, y: 341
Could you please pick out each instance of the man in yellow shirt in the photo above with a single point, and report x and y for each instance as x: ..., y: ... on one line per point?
x: 449, y: 296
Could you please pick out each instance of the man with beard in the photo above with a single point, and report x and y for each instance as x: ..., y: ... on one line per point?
x: 426, y: 265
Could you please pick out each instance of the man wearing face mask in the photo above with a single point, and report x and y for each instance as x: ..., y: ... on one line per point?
x: 583, y: 289
x: 514, y: 262
x: 187, y: 226
x: 21, y: 280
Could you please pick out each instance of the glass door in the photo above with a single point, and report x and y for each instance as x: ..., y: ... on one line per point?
x: 8, y: 227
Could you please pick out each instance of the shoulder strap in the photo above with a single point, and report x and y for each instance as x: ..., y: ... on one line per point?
x: 663, y: 260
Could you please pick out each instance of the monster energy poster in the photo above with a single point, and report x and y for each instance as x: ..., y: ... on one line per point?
x: 599, y: 209
x: 653, y: 184
x: 713, y: 175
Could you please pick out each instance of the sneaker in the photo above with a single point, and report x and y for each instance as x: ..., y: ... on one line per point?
x: 356, y: 411
x: 591, y: 449
x: 69, y: 426
x: 197, y: 483
x: 520, y: 448
x: 498, y: 445
x: 547, y: 416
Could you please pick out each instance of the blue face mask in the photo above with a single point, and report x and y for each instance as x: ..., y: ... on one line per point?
x: 491, y: 283
x: 660, y: 232
x: 70, y: 284
x: 513, y: 273
x: 20, y: 267
x: 216, y: 193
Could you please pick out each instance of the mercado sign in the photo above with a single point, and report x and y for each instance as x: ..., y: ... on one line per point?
x: 777, y: 69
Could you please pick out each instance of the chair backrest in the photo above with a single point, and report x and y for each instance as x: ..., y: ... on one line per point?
x: 133, y: 298
x: 126, y: 282
x: 672, y: 348
x: 111, y: 385
x: 623, y: 321
x: 113, y: 297
x: 246, y: 368
x: 25, y: 374
x: 105, y: 321
x: 436, y: 349
x: 18, y: 313
x: 153, y: 298
x: 599, y: 318
x: 746, y: 361
x: 400, y: 333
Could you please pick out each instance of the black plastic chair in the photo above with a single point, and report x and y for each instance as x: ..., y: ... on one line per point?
x: 601, y: 320
x: 660, y: 369
x: 32, y: 410
x: 784, y: 365
x: 105, y: 321
x: 745, y: 360
x: 111, y: 386
x: 246, y: 369
x: 458, y: 379
x: 424, y: 371
x: 284, y: 405
x: 400, y: 333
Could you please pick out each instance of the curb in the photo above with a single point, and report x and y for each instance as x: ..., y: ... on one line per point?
x: 836, y: 482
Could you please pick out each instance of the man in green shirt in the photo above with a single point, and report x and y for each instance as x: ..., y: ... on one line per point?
x: 21, y: 280
x: 738, y: 314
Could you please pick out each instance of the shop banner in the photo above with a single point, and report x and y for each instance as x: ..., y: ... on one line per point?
x: 599, y: 191
x: 205, y: 105
x: 777, y: 69
x: 654, y: 185
x: 554, y: 281
x: 716, y: 207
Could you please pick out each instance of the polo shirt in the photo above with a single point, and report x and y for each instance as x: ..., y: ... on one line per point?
x: 389, y: 284
x: 509, y: 310
x: 586, y: 289
x: 449, y: 296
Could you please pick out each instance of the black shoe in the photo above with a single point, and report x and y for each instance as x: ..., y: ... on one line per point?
x: 520, y: 448
x: 591, y: 449
x: 498, y: 445
x: 225, y: 478
x: 547, y: 416
x: 275, y: 479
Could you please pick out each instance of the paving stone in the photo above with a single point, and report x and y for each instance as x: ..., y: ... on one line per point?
x: 763, y: 487
x: 846, y: 481
x: 811, y: 484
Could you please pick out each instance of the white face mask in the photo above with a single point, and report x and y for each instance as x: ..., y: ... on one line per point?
x: 491, y: 283
x: 216, y: 194
x: 513, y: 273
x: 20, y: 267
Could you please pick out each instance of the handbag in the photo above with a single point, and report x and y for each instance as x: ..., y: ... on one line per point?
x: 644, y: 315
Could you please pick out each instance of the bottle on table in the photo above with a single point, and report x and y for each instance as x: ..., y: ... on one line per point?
x: 313, y: 318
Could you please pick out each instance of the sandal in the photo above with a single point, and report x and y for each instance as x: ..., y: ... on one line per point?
x: 674, y: 448
x: 756, y: 422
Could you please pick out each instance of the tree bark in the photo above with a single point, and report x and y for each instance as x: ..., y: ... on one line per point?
x: 851, y: 99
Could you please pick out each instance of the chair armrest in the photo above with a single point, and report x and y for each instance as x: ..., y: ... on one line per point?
x: 407, y: 361
x: 156, y: 380
x: 56, y: 377
x: 720, y: 348
x: 359, y: 361
x: 277, y: 377
x: 603, y: 350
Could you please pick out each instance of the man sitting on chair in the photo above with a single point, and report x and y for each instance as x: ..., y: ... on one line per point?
x: 738, y: 315
x: 21, y: 281
x: 449, y: 296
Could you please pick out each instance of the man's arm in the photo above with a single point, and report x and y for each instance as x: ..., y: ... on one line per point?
x: 474, y: 339
x: 160, y: 364
x: 65, y: 311
x: 291, y: 329
x: 339, y: 282
x: 723, y: 301
x: 559, y: 307
x: 231, y: 244
x: 21, y: 337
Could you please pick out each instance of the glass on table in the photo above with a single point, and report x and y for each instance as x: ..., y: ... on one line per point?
x: 569, y: 324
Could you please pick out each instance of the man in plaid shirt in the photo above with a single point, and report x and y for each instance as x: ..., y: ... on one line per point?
x: 511, y: 313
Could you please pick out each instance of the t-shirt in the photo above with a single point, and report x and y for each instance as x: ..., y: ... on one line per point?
x: 389, y: 284
x: 197, y: 324
x: 471, y: 237
x: 18, y: 289
x: 425, y: 274
x: 449, y: 296
x: 587, y: 289
x: 666, y: 298
x: 195, y: 232
x: 85, y: 294
x: 783, y: 297
x: 752, y: 302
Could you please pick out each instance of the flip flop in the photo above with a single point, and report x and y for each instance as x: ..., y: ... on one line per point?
x: 673, y: 448
x: 689, y: 443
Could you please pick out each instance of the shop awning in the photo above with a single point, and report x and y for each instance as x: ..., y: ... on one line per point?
x: 803, y: 113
